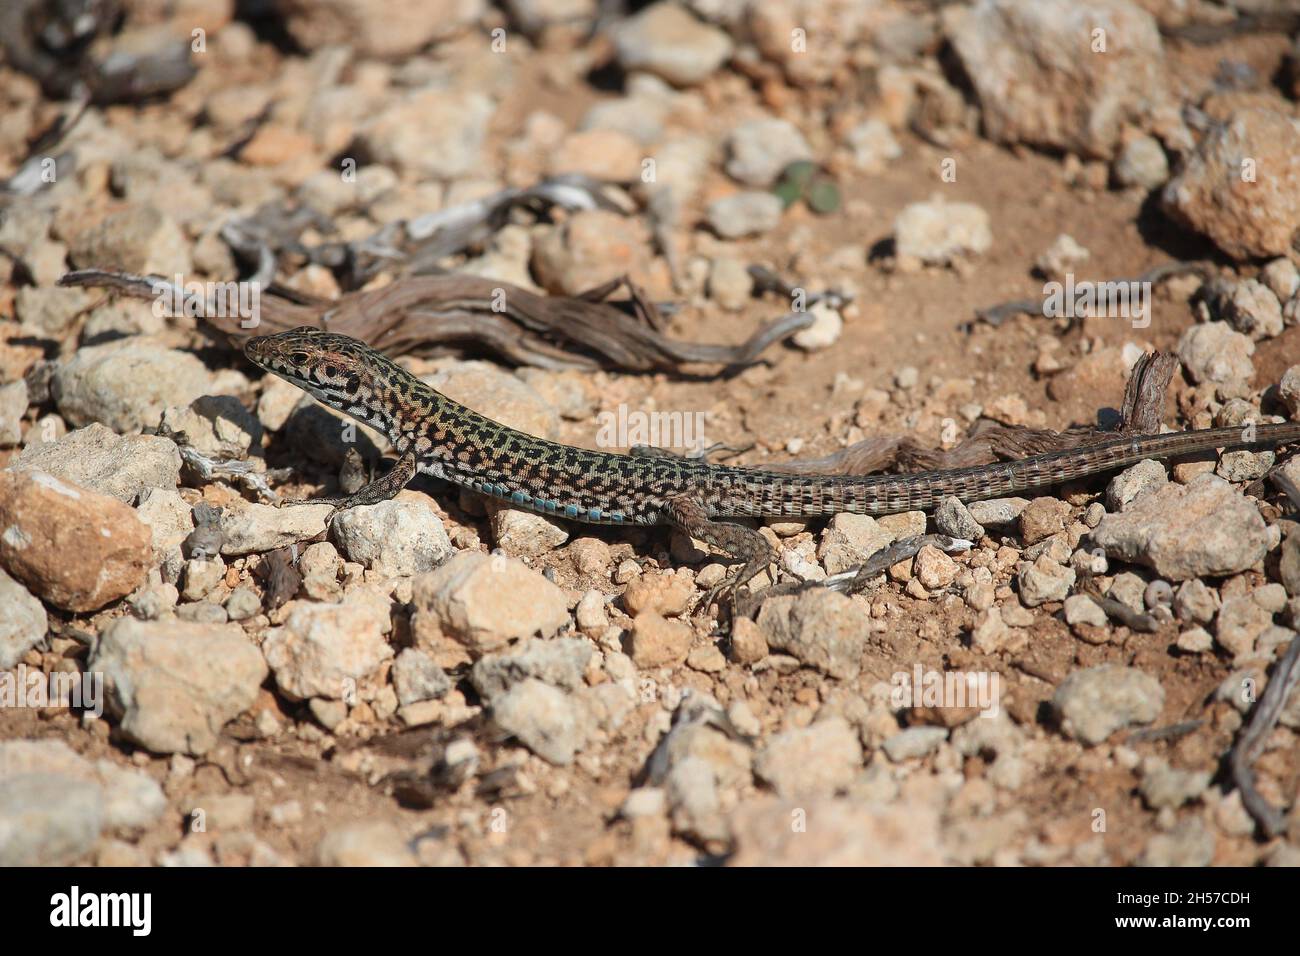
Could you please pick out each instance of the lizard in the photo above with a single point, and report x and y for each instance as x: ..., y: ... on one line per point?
x: 436, y: 436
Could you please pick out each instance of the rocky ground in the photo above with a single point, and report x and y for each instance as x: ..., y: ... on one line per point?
x: 439, y: 682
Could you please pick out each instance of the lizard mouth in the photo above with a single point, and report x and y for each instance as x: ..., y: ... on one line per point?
x: 255, y: 350
x: 262, y: 352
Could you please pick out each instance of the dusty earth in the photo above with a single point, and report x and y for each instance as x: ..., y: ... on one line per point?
x: 317, y: 794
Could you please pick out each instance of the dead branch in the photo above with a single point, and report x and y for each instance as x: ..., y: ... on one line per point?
x: 417, y: 314
x: 995, y: 315
x: 1251, y: 742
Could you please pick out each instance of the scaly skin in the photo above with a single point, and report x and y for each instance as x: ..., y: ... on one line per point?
x: 434, y: 435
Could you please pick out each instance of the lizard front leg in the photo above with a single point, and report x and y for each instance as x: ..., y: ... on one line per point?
x: 381, y: 489
x: 743, y: 546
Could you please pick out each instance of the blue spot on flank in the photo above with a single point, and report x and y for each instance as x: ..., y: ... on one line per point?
x: 552, y: 506
x: 571, y: 510
x: 617, y: 517
x: 519, y: 497
x: 594, y: 514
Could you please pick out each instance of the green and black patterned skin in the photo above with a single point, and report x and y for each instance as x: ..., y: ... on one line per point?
x: 436, y: 436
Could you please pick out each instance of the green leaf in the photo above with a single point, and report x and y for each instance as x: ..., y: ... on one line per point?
x: 823, y: 196
x: 788, y: 192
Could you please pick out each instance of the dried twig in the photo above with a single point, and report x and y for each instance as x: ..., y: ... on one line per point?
x: 664, y: 211
x: 404, y: 247
x: 1288, y: 487
x: 857, y: 579
x: 33, y: 175
x: 989, y: 441
x: 765, y: 280
x: 280, y: 579
x: 1170, y: 732
x: 1251, y: 741
x: 54, y: 42
x: 886, y: 558
x: 995, y: 315
x: 1203, y: 33
x: 241, y: 472
x: 417, y: 313
x: 1144, y: 395
x: 1119, y: 611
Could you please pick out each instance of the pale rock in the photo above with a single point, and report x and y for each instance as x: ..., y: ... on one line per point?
x: 759, y: 150
x: 94, y: 457
x: 1204, y: 528
x: 326, y: 650
x: 401, y: 536
x: 249, y: 528
x: 1214, y: 352
x: 938, y: 232
x: 23, y: 621
x: 175, y: 685
x: 1095, y: 702
x: 666, y: 40
x: 217, y: 426
x: 657, y: 642
x: 126, y: 386
x: 544, y: 719
x: 462, y: 600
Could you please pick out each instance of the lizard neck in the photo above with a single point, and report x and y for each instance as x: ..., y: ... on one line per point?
x: 406, y: 407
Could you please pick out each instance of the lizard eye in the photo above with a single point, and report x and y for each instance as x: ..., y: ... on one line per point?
x: 299, y: 358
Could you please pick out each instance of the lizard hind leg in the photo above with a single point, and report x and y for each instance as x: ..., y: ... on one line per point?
x: 743, y: 546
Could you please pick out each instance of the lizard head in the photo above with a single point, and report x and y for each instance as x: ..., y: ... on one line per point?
x: 334, y: 368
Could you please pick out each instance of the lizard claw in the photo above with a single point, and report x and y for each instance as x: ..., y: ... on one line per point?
x: 740, y: 605
x: 727, y: 583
